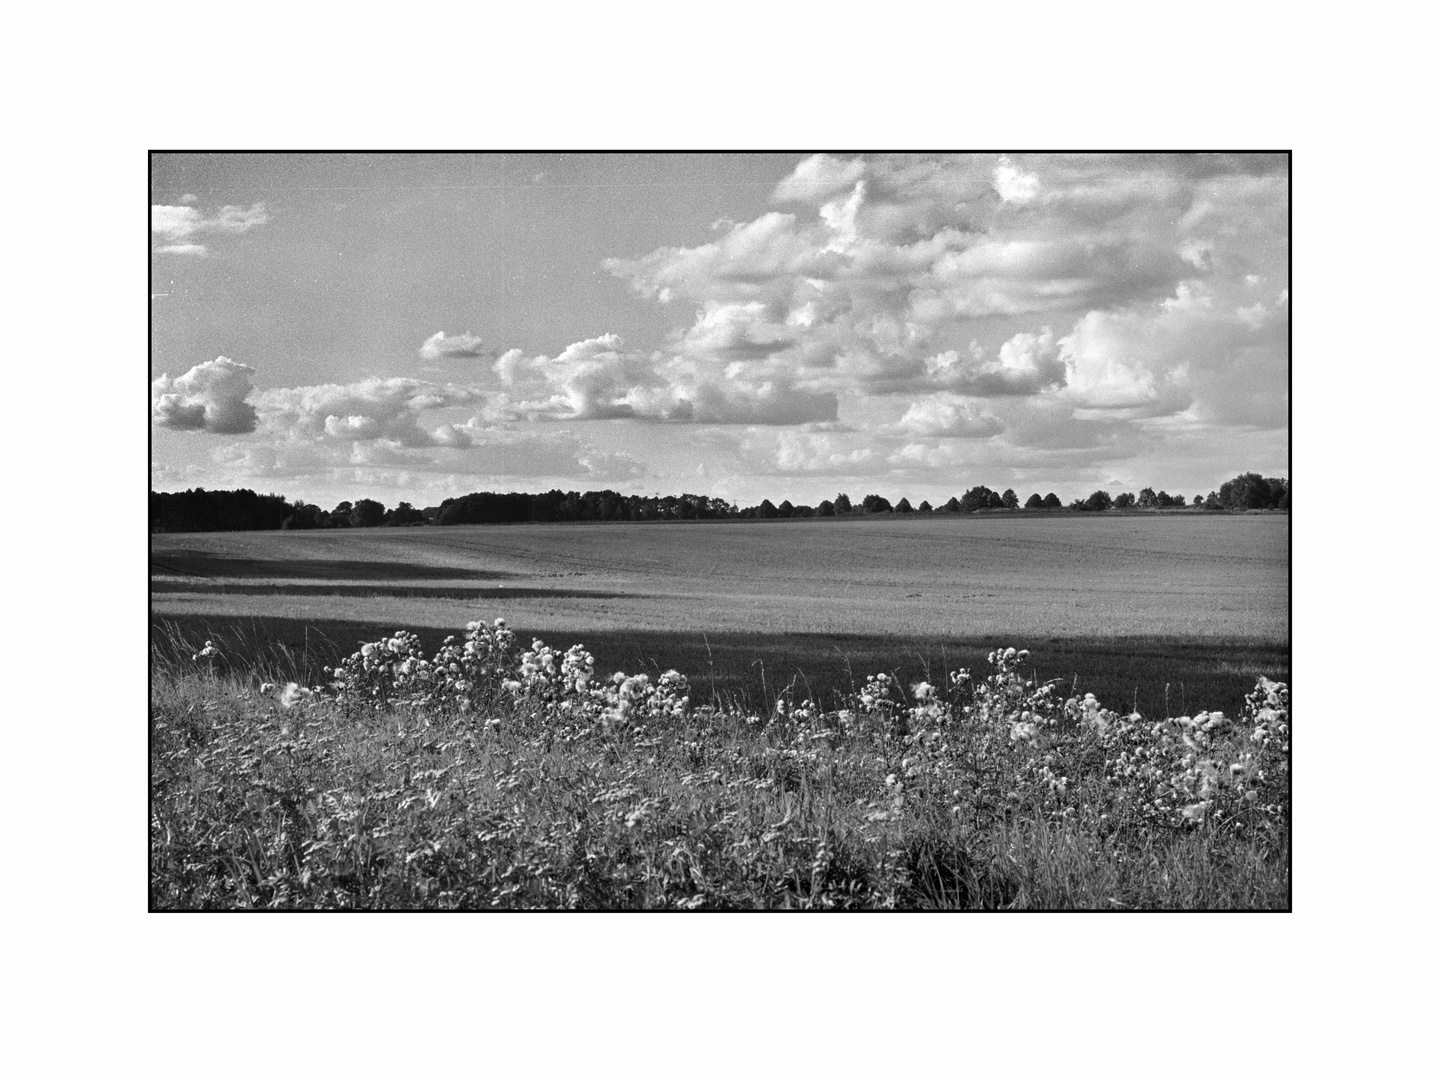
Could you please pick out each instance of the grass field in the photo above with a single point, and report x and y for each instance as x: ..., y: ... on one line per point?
x: 1167, y: 613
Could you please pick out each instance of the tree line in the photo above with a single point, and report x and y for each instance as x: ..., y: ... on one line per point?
x: 199, y: 510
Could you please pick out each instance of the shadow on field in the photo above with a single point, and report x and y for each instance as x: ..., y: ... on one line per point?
x: 205, y: 564
x: 417, y: 592
x: 1158, y: 675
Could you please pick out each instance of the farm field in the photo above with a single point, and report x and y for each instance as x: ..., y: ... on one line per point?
x: 1159, y: 612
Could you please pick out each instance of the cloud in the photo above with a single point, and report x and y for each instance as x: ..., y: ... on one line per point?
x: 1196, y: 352
x: 175, y: 225
x: 1013, y: 185
x: 183, y: 249
x: 598, y: 379
x: 209, y: 397
x: 949, y: 416
x: 368, y: 410
x: 440, y: 347
x: 887, y: 264
x: 1025, y: 364
x: 819, y: 177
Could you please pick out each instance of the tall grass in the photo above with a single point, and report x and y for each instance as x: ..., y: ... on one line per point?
x: 540, y: 786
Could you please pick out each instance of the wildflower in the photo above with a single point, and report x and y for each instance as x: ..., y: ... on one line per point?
x: 293, y: 695
x: 1023, y: 732
x: 922, y: 691
x: 1195, y: 813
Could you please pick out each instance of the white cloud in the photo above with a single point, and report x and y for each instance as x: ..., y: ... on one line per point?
x: 175, y: 225
x: 209, y: 397
x: 1013, y: 185
x: 819, y: 177
x: 890, y: 263
x: 440, y: 347
x: 598, y: 379
x: 949, y: 416
x: 370, y: 409
x: 1025, y: 364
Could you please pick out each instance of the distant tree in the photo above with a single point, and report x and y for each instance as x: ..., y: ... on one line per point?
x: 876, y: 504
x: 1034, y: 502
x: 404, y: 514
x: 786, y: 509
x: 1251, y: 491
x: 826, y: 508
x: 925, y: 507
x: 1010, y: 500
x: 842, y: 504
x: 366, y: 513
x: 1052, y: 501
x: 903, y: 506
x: 1124, y: 499
x: 767, y: 509
x: 1212, y: 501
x: 1147, y: 497
x: 1199, y: 500
x: 979, y: 498
x: 1099, y: 500
x: 1177, y: 500
x: 804, y: 511
x: 1162, y: 499
x: 953, y: 506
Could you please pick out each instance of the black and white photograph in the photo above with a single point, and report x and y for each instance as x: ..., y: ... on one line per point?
x: 828, y: 530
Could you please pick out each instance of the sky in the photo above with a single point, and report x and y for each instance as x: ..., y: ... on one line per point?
x: 784, y: 326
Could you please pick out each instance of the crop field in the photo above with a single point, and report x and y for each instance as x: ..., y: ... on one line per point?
x: 1163, y: 613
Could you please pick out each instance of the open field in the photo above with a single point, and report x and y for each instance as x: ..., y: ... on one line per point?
x: 1161, y: 612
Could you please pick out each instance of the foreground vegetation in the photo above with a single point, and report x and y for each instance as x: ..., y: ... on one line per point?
x: 481, y: 776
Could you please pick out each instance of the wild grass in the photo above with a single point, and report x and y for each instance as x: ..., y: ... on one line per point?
x: 482, y: 776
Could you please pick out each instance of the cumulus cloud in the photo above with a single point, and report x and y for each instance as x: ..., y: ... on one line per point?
x: 176, y: 226
x: 1025, y: 364
x: 1013, y: 185
x: 890, y: 263
x: 462, y: 346
x: 949, y: 416
x: 1194, y: 352
x: 599, y: 379
x: 368, y: 410
x: 209, y: 397
x: 819, y: 177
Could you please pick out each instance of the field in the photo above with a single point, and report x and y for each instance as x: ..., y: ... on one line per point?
x: 1164, y: 613
x: 845, y: 726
